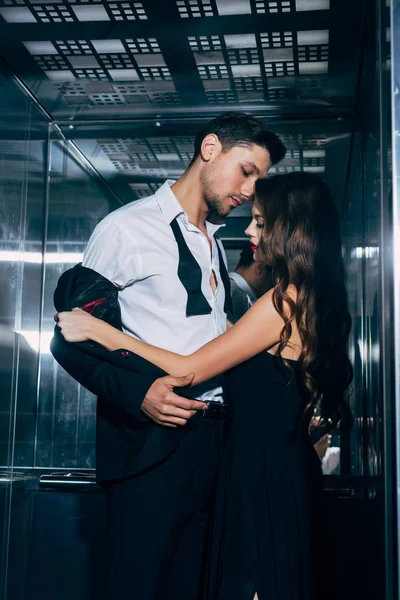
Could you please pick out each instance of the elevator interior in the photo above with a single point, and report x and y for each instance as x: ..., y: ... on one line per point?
x: 99, y: 104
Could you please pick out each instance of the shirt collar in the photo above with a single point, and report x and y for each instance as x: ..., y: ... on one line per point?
x: 171, y: 208
x: 168, y: 202
x: 242, y: 283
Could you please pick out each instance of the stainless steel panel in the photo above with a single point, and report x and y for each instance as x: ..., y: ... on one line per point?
x: 395, y: 80
x: 23, y: 143
x: 65, y: 426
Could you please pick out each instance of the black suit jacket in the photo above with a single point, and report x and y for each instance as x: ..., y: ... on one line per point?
x: 127, y: 442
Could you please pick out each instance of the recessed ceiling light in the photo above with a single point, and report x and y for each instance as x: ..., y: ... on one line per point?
x: 83, y: 62
x: 109, y: 46
x: 233, y: 7
x: 17, y: 15
x: 247, y: 40
x: 313, y: 38
x: 313, y: 68
x: 314, y: 169
x: 168, y: 156
x: 314, y: 153
x: 246, y: 70
x: 35, y: 48
x: 209, y: 58
x: 278, y: 54
x: 312, y: 5
x: 60, y: 76
x: 124, y: 74
x: 91, y: 13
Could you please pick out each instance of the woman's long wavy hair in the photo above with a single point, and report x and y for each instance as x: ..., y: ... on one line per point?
x: 301, y: 242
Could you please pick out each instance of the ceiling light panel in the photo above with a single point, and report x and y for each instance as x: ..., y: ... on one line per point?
x: 71, y: 11
x: 301, y: 141
x: 127, y: 11
x: 91, y: 12
x: 247, y: 40
x: 156, y: 156
x: 17, y: 15
x: 221, y: 97
x: 291, y: 163
x: 233, y: 7
x: 40, y: 48
x: 109, y: 46
x: 54, y: 13
x: 276, y: 39
x: 195, y: 8
x: 282, y: 168
x: 278, y: 61
x: 306, y: 5
x: 123, y: 74
x: 60, y: 76
x: 313, y: 47
x: 312, y: 86
x: 205, y: 42
x: 315, y: 37
x: 185, y: 146
x: 313, y: 68
x: 142, y: 190
x: 279, y: 94
x: 142, y: 45
x: 274, y: 6
x: 52, y: 62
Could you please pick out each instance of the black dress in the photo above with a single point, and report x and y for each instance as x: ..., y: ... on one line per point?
x: 267, y: 506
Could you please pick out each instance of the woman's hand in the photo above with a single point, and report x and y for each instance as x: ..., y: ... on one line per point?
x: 76, y: 325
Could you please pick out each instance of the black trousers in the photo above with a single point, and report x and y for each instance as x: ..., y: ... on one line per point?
x: 157, y: 520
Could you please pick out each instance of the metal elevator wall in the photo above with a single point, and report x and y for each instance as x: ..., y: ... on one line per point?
x: 51, y: 198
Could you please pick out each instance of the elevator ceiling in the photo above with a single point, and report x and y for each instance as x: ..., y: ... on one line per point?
x: 131, y: 82
x: 94, y: 58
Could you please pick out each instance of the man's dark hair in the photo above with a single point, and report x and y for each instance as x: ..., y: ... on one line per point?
x: 246, y: 258
x: 239, y: 129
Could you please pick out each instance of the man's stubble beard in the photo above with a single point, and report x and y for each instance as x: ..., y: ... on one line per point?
x: 216, y: 211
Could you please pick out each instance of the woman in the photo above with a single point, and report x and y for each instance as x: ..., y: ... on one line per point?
x: 283, y: 356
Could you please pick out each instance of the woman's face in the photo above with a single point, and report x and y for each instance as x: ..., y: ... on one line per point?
x: 254, y: 231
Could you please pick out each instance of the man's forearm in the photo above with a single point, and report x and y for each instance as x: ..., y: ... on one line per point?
x: 123, y: 387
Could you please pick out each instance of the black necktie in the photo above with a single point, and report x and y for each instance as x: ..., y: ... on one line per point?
x: 190, y: 275
x: 228, y: 308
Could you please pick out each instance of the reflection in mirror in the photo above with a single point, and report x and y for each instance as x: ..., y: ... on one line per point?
x: 66, y: 411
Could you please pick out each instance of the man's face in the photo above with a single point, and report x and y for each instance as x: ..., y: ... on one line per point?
x: 228, y: 180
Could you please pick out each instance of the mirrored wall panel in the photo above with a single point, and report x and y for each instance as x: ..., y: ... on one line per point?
x: 65, y: 427
x: 23, y: 167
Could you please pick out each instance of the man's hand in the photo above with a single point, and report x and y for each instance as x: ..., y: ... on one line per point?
x: 165, y: 407
x: 322, y: 445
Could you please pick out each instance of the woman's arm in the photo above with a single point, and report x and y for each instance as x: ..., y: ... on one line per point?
x: 259, y: 329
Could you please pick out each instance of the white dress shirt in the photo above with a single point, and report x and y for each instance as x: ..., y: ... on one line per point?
x: 243, y: 296
x: 135, y: 248
x: 331, y: 461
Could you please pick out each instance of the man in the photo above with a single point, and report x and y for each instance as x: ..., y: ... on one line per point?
x: 163, y: 255
x: 249, y: 281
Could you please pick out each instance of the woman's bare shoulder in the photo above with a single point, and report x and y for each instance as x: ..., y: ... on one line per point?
x: 291, y: 291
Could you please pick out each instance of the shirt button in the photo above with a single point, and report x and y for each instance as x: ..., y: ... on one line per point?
x: 125, y: 354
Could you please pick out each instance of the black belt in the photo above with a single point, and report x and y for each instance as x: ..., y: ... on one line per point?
x: 215, y: 410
